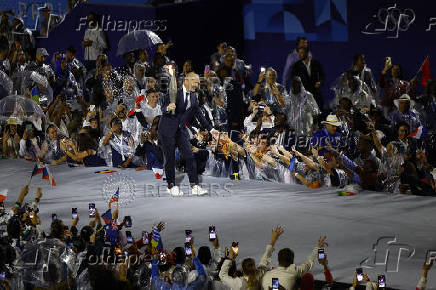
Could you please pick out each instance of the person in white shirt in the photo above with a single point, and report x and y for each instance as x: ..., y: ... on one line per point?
x: 29, y: 144
x: 260, y: 110
x: 151, y: 108
x: 94, y: 42
x: 252, y: 275
x: 287, y: 272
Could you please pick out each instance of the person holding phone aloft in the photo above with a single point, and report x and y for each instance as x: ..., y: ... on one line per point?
x: 252, y: 275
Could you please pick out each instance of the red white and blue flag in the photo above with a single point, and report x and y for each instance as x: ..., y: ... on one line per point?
x: 107, y: 216
x: 114, y: 197
x: 38, y: 169
x: 419, y: 133
x: 41, y: 168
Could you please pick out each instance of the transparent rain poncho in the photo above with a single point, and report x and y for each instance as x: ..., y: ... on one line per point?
x: 361, y: 97
x: 301, y: 109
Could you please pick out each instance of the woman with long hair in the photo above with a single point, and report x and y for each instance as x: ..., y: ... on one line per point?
x: 251, y: 274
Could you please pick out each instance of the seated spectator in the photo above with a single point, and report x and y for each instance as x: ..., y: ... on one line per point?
x: 30, y: 143
x: 410, y: 179
x: 11, y: 139
x: 86, y: 150
x: 51, y: 151
x: 329, y: 135
x: 405, y: 113
x: 151, y: 107
x: 121, y: 144
x: 366, y: 176
x: 407, y: 145
x: 150, y: 148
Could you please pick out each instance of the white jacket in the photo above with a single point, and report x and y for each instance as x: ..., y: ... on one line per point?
x: 288, y: 276
x: 98, y: 45
x: 240, y: 283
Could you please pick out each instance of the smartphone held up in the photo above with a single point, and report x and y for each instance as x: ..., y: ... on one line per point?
x: 212, y: 233
x: 91, y: 210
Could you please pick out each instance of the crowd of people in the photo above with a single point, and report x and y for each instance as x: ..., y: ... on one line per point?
x: 104, y: 255
x: 374, y: 135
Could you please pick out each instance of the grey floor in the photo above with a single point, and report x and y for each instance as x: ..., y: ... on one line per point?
x: 400, y: 228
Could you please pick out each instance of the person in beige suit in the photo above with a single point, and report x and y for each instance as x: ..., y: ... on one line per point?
x: 287, y: 272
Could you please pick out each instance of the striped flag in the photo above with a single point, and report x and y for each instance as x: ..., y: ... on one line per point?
x: 114, y: 197
x: 107, y: 216
x: 46, y: 175
x: 156, y: 241
x: 38, y: 169
x: 419, y: 134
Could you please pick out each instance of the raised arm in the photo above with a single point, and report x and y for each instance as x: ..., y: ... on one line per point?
x: 309, y: 162
x: 266, y: 258
x: 308, y: 263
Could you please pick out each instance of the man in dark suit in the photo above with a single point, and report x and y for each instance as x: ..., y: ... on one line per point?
x: 311, y: 74
x: 173, y: 132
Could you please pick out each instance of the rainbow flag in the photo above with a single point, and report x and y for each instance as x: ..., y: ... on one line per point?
x: 345, y: 193
x: 106, y: 171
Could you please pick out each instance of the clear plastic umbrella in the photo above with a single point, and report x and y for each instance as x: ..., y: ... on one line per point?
x: 21, y: 109
x: 46, y: 263
x: 138, y: 39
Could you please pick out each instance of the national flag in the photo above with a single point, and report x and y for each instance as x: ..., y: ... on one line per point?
x: 420, y: 133
x: 138, y: 100
x: 37, y: 169
x: 111, y: 234
x: 291, y: 166
x: 158, y: 172
x: 425, y: 70
x: 46, y: 175
x: 156, y: 241
x: 107, y: 216
x: 3, y: 195
x: 114, y: 197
